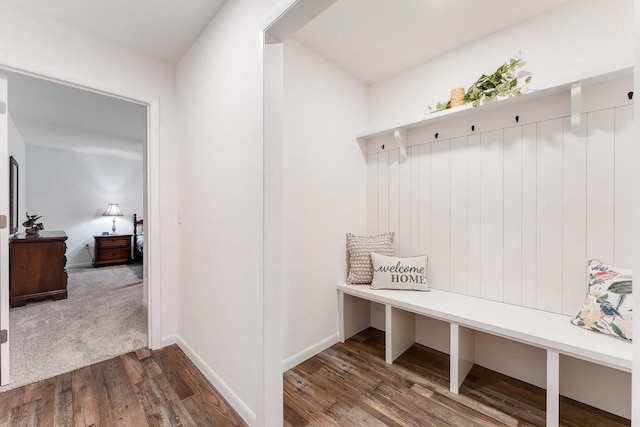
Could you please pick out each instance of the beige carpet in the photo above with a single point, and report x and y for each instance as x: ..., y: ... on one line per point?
x: 102, y: 318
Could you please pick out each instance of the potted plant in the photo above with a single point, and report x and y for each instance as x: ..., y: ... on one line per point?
x: 31, y: 226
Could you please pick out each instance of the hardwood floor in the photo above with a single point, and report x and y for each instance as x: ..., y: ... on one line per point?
x: 350, y: 385
x: 346, y: 385
x: 145, y: 388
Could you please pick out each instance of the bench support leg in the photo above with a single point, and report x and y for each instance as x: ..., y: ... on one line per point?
x: 353, y: 315
x: 400, y: 332
x: 462, y: 355
x: 553, y: 388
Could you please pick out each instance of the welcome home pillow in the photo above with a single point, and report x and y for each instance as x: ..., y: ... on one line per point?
x: 360, y: 248
x: 399, y: 273
x: 608, y: 307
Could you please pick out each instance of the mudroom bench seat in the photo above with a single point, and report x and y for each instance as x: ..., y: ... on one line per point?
x: 549, y: 331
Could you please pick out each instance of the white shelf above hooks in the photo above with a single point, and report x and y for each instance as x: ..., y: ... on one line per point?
x: 467, y: 110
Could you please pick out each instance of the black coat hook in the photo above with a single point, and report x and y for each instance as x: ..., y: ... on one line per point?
x: 382, y: 147
x: 473, y: 127
x: 630, y: 95
x: 517, y: 119
x: 436, y: 135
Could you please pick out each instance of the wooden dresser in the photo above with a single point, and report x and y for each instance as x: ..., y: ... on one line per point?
x: 37, y: 267
x: 112, y: 249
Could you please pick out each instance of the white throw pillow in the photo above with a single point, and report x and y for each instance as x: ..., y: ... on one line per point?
x: 399, y: 273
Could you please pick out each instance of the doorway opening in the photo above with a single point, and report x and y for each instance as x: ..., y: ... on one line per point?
x: 80, y: 152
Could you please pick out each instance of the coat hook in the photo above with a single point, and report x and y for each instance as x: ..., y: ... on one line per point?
x: 630, y: 95
x: 517, y: 119
x: 382, y: 147
x: 436, y: 135
x: 473, y: 127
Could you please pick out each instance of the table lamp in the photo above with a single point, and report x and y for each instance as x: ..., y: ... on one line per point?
x: 113, y: 210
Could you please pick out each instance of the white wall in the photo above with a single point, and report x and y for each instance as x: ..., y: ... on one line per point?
x: 601, y: 34
x: 42, y: 45
x: 592, y: 37
x: 580, y: 39
x: 71, y: 190
x: 219, y: 85
x: 584, y: 37
x: 324, y: 193
x: 509, y: 213
x: 17, y: 150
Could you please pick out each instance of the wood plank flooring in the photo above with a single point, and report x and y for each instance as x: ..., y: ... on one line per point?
x: 145, y: 388
x: 350, y: 385
x: 346, y: 385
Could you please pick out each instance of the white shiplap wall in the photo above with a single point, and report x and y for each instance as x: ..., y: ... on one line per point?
x: 512, y: 211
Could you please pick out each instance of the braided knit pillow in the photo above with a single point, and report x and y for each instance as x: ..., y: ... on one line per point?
x: 360, y: 248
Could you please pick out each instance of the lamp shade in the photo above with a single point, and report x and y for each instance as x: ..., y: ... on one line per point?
x: 113, y: 210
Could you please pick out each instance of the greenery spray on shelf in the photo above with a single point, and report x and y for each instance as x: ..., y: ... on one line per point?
x: 31, y: 226
x: 503, y: 82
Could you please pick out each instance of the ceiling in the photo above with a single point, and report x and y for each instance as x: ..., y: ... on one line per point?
x: 58, y: 116
x: 372, y: 39
x: 375, y: 39
x: 164, y: 29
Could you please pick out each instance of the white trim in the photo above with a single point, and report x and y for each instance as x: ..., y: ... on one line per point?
x: 5, y: 377
x: 272, y: 343
x: 168, y: 340
x: 230, y: 396
x: 635, y: 377
x: 285, y: 19
x: 73, y: 80
x: 289, y: 16
x: 309, y: 352
x: 276, y: 13
x: 151, y: 261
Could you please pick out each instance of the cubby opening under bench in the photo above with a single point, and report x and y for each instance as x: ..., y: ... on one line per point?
x: 465, y: 314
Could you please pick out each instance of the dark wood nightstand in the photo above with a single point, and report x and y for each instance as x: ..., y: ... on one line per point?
x: 112, y: 249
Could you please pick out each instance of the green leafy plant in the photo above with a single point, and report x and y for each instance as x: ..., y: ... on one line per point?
x: 31, y: 222
x: 623, y: 287
x: 440, y: 106
x: 503, y: 82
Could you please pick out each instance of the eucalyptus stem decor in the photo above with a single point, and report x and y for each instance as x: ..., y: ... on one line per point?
x: 503, y: 82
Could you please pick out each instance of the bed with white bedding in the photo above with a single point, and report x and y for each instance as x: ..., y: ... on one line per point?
x: 138, y: 238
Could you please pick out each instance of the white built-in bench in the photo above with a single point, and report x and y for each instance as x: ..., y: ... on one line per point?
x: 550, y: 331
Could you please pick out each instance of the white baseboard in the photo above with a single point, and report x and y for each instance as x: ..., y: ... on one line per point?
x: 168, y: 340
x: 234, y: 400
x: 309, y: 352
x: 79, y: 265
